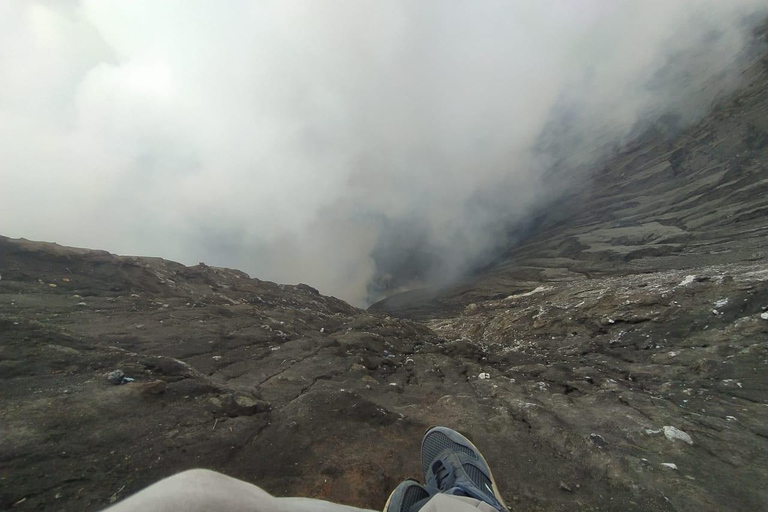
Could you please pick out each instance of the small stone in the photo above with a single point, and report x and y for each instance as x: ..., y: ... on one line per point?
x: 675, y: 434
x: 152, y: 387
x: 82, y: 304
x: 484, y: 376
x: 669, y: 465
x: 598, y: 440
x: 565, y: 487
x: 241, y: 405
x: 116, y: 377
x: 764, y: 316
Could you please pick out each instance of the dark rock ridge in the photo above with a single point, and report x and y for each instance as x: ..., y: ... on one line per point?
x: 617, y: 360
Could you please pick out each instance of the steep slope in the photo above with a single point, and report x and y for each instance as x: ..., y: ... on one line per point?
x: 699, y: 198
x: 231, y: 373
x: 588, y: 385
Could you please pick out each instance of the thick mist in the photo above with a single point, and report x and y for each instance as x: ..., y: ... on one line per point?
x: 360, y: 147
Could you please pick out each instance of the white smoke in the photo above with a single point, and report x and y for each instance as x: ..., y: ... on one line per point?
x: 351, y: 145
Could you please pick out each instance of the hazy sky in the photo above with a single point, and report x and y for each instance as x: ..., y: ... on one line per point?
x: 343, y: 143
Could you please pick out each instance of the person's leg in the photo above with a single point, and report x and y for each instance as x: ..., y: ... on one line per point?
x: 450, y: 503
x: 201, y: 490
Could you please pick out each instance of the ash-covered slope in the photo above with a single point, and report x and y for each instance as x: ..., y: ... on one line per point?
x: 259, y: 380
x: 666, y: 202
x: 644, y: 392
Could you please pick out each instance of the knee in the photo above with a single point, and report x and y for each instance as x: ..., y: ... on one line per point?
x: 194, y: 477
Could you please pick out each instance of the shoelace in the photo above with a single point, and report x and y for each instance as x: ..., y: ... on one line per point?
x: 445, y: 477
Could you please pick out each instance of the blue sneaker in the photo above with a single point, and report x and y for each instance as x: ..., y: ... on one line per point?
x: 453, y: 465
x: 409, y: 496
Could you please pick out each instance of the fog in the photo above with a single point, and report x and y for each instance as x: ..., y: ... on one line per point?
x: 360, y: 147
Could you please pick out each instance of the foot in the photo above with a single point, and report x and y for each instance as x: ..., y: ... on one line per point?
x: 409, y: 496
x: 453, y: 465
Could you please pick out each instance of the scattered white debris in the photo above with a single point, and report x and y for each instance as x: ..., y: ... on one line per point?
x: 82, y: 304
x: 716, y: 312
x: 484, y: 376
x: 730, y: 418
x: 217, y: 358
x: 651, y: 432
x: 764, y: 316
x: 675, y: 434
x: 688, y: 280
x: 536, y: 290
x: 673, y: 354
x: 669, y: 465
x: 322, y: 329
x: 542, y: 385
x: 393, y: 383
x: 722, y: 302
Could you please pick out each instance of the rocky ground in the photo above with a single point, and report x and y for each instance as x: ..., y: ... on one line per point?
x: 615, y: 360
x: 645, y: 392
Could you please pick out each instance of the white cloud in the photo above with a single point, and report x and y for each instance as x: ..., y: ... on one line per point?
x: 330, y: 142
